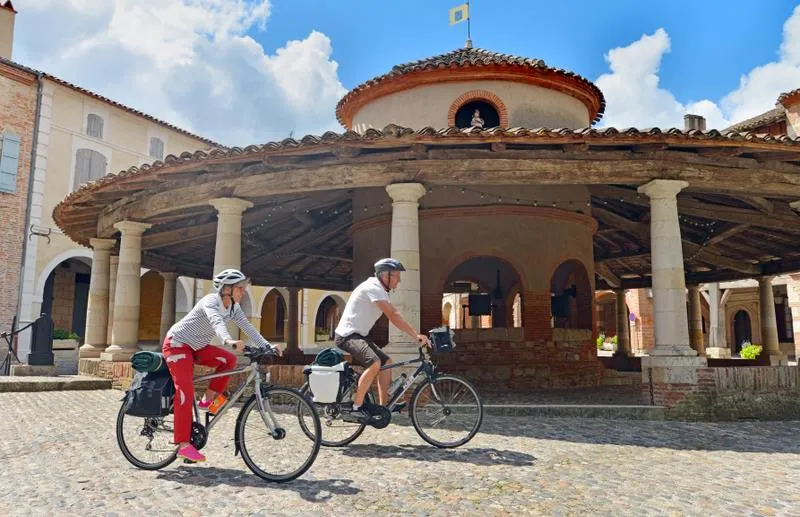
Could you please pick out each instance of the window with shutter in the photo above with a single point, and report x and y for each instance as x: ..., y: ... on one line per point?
x: 9, y: 162
x: 94, y: 126
x: 156, y: 148
x: 89, y: 166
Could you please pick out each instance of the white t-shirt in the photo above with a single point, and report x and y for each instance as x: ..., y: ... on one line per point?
x: 361, y: 312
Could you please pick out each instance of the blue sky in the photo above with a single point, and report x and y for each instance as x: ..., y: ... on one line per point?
x: 714, y: 42
x: 249, y: 71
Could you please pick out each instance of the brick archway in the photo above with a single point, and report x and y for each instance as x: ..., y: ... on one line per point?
x: 478, y: 95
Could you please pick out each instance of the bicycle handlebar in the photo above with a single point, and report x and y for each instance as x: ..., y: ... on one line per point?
x: 258, y: 354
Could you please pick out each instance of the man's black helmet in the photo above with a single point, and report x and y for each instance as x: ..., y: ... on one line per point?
x: 388, y: 264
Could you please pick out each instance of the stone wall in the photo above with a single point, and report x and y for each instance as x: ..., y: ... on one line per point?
x: 739, y: 393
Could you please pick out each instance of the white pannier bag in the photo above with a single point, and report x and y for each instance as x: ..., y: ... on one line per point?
x: 324, y: 381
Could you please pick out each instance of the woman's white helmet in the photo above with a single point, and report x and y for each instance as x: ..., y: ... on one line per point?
x: 228, y: 277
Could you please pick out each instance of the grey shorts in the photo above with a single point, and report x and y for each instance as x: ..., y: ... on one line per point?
x: 363, y: 351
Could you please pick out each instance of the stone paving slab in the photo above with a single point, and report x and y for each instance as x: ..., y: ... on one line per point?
x: 59, y: 457
x: 59, y: 383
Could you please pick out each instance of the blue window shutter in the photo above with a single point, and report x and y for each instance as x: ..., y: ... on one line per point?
x: 9, y: 163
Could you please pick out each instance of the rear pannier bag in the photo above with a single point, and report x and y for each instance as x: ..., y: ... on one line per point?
x: 150, y: 395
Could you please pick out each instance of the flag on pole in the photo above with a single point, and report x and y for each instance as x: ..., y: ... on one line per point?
x: 459, y: 14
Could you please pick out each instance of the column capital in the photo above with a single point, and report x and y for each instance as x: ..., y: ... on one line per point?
x: 169, y: 276
x: 132, y: 227
x: 408, y: 192
x: 102, y: 244
x: 765, y: 279
x: 230, y: 205
x: 662, y: 189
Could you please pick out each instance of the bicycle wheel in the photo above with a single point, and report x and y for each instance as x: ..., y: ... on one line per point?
x: 447, y: 413
x: 150, y: 438
x: 335, y: 431
x: 286, y: 454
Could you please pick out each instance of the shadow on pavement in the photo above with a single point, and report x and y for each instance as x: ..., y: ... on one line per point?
x: 311, y: 490
x: 426, y: 453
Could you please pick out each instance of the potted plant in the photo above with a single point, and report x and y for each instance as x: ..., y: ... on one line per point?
x: 65, y: 352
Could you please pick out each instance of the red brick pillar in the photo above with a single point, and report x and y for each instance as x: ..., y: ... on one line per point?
x: 536, y: 316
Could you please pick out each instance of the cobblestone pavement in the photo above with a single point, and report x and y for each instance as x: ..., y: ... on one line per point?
x: 58, y: 456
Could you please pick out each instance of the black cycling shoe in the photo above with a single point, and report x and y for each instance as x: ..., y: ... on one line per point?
x: 360, y: 415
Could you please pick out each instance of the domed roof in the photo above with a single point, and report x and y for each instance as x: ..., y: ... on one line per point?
x: 492, y: 65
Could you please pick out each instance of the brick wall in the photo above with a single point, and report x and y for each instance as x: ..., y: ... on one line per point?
x: 17, y: 114
x: 523, y: 365
x: 756, y: 392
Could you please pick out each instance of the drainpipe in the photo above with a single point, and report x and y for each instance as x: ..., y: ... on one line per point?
x: 34, y: 144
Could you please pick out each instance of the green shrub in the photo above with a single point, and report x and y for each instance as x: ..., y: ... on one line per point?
x: 600, y: 340
x: 750, y: 351
x: 64, y: 334
x: 614, y: 340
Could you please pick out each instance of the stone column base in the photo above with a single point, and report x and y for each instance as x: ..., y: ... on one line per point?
x: 90, y: 351
x: 117, y: 353
x: 778, y: 360
x: 718, y: 353
x: 672, y: 370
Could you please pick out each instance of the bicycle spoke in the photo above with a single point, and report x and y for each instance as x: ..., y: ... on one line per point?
x: 447, y: 413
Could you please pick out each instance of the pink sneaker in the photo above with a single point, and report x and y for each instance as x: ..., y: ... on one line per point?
x: 203, y: 404
x: 191, y: 454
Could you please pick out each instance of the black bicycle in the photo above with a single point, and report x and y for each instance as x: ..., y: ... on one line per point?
x: 445, y: 410
x: 266, y: 422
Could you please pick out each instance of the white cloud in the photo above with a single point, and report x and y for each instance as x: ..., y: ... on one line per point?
x: 190, y: 62
x: 634, y: 97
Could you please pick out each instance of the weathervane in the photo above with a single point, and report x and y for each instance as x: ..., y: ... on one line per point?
x: 457, y: 15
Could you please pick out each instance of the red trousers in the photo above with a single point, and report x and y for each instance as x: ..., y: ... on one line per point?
x: 180, y: 361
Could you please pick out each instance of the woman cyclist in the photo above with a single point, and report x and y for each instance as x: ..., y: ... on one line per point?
x: 188, y: 342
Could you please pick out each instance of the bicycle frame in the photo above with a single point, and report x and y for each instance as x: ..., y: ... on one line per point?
x: 425, y: 367
x: 253, y: 377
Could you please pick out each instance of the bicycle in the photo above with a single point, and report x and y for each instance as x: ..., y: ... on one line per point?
x: 432, y: 391
x: 268, y: 402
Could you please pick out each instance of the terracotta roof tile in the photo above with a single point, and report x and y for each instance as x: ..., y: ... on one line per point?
x: 766, y: 118
x: 469, y: 57
x: 109, y: 101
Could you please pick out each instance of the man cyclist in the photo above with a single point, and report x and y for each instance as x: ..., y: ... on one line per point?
x: 188, y: 342
x: 366, y: 304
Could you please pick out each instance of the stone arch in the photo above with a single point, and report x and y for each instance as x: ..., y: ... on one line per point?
x: 339, y: 303
x: 274, y: 314
x: 447, y: 314
x: 572, y: 297
x: 741, y: 327
x: 483, y: 270
x: 78, y: 253
x: 282, y: 290
x: 478, y: 95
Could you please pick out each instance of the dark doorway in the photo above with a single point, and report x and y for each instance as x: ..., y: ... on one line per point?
x: 741, y: 330
x: 487, y: 112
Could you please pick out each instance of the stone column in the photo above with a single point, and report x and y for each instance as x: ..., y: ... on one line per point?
x: 793, y: 292
x: 717, y: 345
x: 125, y: 330
x: 669, y: 287
x: 228, y: 248
x: 405, y: 248
x: 97, y: 310
x: 293, y: 352
x: 112, y: 289
x: 623, y: 326
x: 672, y: 364
x: 769, y: 325
x: 168, y: 303
x: 696, y: 320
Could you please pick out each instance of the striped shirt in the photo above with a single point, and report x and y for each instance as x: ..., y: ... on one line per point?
x: 207, y: 319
